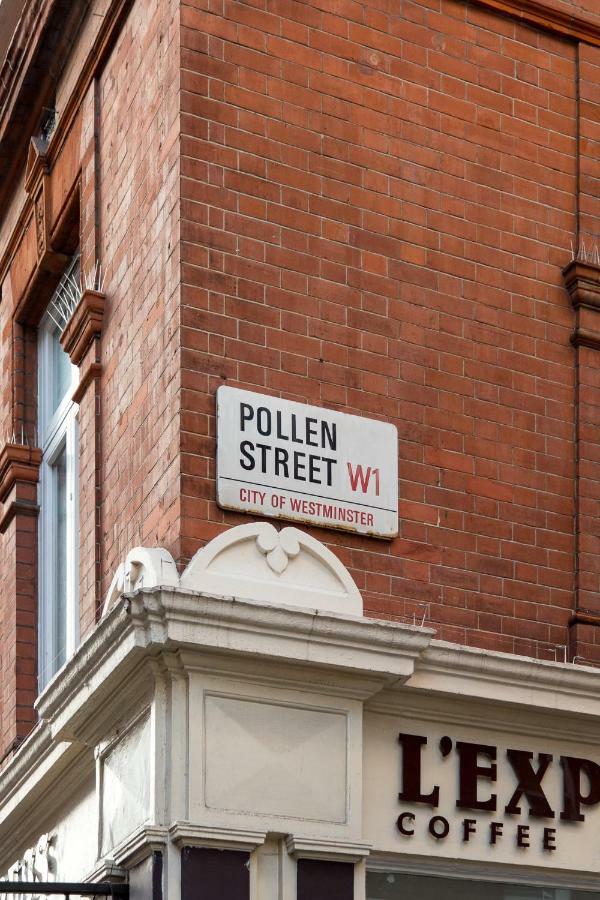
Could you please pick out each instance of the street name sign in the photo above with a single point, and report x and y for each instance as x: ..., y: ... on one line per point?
x: 303, y: 463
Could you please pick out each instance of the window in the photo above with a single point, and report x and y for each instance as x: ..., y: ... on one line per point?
x: 58, y: 526
x: 400, y: 886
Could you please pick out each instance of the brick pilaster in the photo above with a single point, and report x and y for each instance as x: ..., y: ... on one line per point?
x: 19, y: 472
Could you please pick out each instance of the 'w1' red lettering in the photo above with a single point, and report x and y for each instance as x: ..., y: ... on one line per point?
x: 359, y: 475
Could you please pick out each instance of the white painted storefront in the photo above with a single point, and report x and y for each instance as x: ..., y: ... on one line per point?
x: 248, y: 705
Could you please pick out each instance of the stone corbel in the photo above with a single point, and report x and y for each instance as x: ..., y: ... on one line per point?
x: 582, y: 280
x: 188, y: 834
x: 81, y: 338
x: 144, y: 841
x: 19, y: 475
x: 322, y: 848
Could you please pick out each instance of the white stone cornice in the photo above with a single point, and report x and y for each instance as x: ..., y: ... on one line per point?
x: 32, y: 751
x: 87, y: 678
x: 470, y: 672
x: 111, y: 632
x: 186, y: 834
x: 306, y: 637
x: 151, y: 621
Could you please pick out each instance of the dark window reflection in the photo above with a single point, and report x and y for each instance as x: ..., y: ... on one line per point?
x: 397, y: 886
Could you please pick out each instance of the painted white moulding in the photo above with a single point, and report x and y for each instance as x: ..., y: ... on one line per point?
x: 188, y: 834
x: 302, y: 847
x: 249, y: 562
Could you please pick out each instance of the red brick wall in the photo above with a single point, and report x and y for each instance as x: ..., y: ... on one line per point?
x: 138, y: 224
x: 18, y: 541
x: 587, y: 524
x: 125, y: 148
x: 375, y: 211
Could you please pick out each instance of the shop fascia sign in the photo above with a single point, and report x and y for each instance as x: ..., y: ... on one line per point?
x: 289, y: 460
x: 521, y: 792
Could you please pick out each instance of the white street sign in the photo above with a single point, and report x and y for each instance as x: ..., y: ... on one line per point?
x: 289, y: 460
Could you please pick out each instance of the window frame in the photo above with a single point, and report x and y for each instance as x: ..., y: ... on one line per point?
x: 479, y: 871
x: 57, y: 429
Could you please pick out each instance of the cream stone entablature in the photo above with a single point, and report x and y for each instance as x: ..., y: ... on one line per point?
x: 249, y: 562
x: 247, y: 704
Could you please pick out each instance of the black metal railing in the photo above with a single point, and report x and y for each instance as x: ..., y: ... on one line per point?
x: 67, y: 888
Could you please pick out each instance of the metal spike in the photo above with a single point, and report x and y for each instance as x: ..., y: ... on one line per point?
x: 60, y: 308
x: 66, y: 298
x: 69, y: 299
x: 53, y: 319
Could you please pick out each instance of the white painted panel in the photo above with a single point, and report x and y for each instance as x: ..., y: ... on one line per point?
x: 126, y: 777
x: 265, y: 758
x: 62, y: 847
x: 75, y: 847
x: 293, y: 461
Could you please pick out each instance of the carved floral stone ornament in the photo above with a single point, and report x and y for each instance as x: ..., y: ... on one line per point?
x: 279, y: 547
x: 249, y: 562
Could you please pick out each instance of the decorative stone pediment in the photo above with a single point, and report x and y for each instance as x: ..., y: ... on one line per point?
x: 288, y: 567
x: 250, y: 562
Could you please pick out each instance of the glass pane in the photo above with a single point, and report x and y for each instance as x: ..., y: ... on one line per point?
x: 398, y: 886
x: 61, y: 372
x: 59, y: 605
